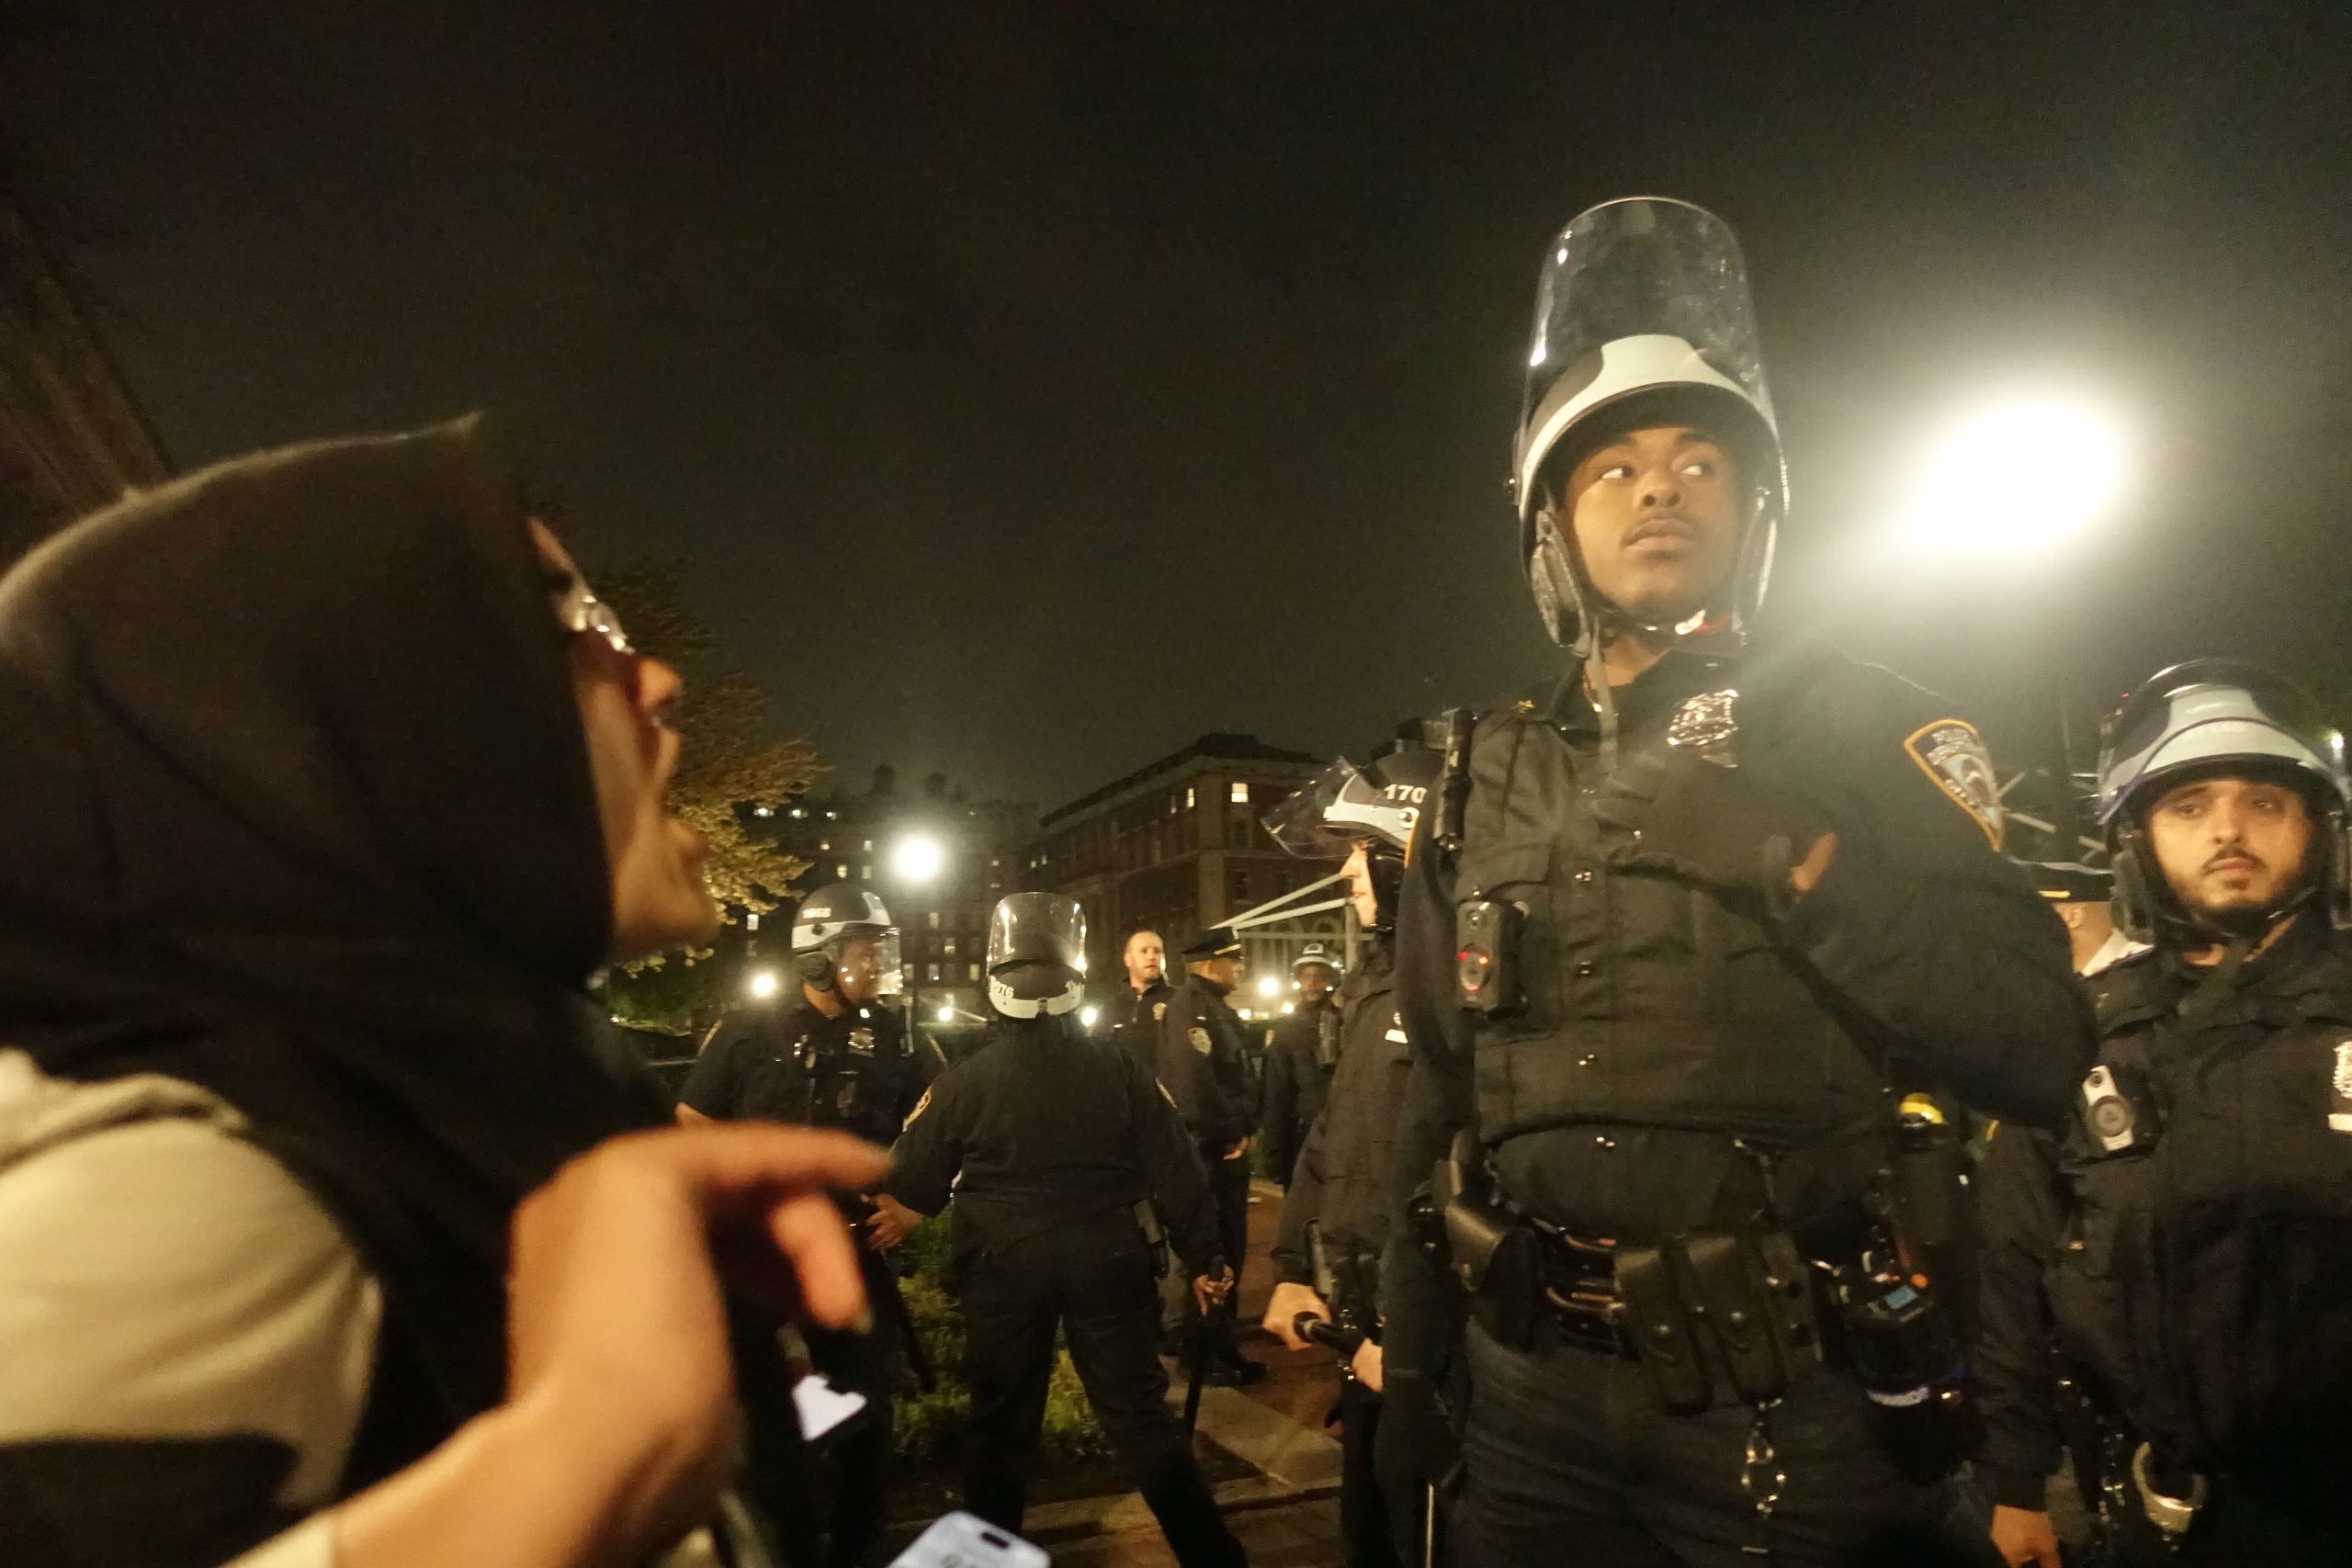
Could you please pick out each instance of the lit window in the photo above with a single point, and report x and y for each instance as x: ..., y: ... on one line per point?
x: 824, y: 846
x: 751, y: 920
x: 832, y: 816
x: 865, y: 873
x: 932, y: 973
x: 948, y: 946
x: 934, y: 919
x: 763, y: 811
x: 797, y: 813
x: 1240, y: 796
x: 869, y: 846
x: 841, y: 873
x: 1187, y: 797
x: 972, y: 972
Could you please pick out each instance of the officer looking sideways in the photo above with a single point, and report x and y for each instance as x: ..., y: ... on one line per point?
x: 1335, y: 1216
x: 1667, y: 942
x: 1207, y: 1074
x: 2185, y: 1242
x: 1047, y: 1141
x: 2081, y: 895
x: 839, y: 1058
x: 1301, y: 1052
x: 1131, y: 1019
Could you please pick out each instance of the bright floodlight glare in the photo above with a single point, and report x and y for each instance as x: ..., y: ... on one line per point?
x: 2017, y: 477
x: 1269, y: 987
x: 1086, y: 1016
x: 917, y: 858
x: 763, y: 984
x: 946, y: 1013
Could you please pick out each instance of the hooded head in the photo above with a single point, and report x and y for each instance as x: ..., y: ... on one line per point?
x: 298, y: 807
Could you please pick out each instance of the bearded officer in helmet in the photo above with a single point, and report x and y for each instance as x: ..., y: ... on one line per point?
x: 1047, y: 1141
x: 839, y: 1056
x: 2169, y: 1276
x: 1670, y: 936
x: 1335, y: 1218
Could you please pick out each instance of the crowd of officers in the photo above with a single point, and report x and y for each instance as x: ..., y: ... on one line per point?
x: 1721, y: 1152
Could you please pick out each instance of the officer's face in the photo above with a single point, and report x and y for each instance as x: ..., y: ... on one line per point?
x: 858, y: 975
x: 1314, y: 983
x: 1145, y: 959
x: 1656, y: 516
x: 2227, y: 844
x: 1226, y: 971
x: 1359, y: 892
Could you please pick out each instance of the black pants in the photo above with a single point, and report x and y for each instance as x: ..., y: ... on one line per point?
x: 1367, y: 1536
x: 857, y: 1457
x: 1568, y: 1446
x: 1229, y: 1185
x: 1093, y: 1280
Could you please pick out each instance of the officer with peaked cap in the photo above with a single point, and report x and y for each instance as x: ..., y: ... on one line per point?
x: 2083, y: 896
x: 1301, y: 1052
x: 2183, y: 1241
x: 1202, y: 1062
x: 1047, y: 1141
x: 1674, y: 930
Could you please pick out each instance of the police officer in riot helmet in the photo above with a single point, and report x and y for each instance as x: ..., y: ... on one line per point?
x: 1335, y: 1218
x: 838, y: 1057
x: 1206, y: 1067
x: 1302, y: 1051
x: 1047, y: 1142
x: 1668, y: 939
x: 2166, y: 1280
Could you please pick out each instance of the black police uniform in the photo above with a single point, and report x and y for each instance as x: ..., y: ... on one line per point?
x: 1686, y: 1053
x: 1131, y: 1022
x: 1047, y: 1141
x: 856, y: 1072
x: 1301, y: 1055
x: 1344, y: 1186
x: 1203, y: 1063
x: 2195, y: 1279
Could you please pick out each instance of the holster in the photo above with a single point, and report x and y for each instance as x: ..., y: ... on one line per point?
x: 1719, y: 1314
x: 1492, y: 1253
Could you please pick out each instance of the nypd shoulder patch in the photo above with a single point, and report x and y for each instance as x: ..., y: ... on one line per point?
x: 1951, y: 753
x: 920, y: 1106
x: 2339, y: 1089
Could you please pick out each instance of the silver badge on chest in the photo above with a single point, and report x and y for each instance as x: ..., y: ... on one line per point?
x: 1707, y: 724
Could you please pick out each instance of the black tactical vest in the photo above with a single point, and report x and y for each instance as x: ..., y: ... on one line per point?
x: 1646, y: 1001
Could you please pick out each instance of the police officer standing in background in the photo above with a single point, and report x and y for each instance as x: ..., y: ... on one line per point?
x: 2082, y: 897
x: 1671, y: 934
x: 839, y: 1058
x: 1335, y: 1216
x: 1202, y: 1064
x: 1301, y: 1050
x: 2184, y: 1243
x: 1131, y: 1019
x: 1047, y: 1141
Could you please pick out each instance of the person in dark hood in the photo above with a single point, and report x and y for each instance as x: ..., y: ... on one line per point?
x: 329, y: 784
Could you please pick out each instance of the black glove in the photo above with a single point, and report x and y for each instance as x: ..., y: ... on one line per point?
x: 1724, y: 827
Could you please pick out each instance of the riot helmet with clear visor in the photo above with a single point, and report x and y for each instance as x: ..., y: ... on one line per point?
x: 1037, y: 956
x: 2212, y: 716
x: 1642, y: 318
x: 1345, y: 806
x: 844, y: 933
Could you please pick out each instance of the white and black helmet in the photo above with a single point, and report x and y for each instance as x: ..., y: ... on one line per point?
x: 1344, y: 806
x: 1642, y: 317
x: 1315, y: 953
x: 1037, y: 961
x: 831, y: 917
x: 2220, y: 715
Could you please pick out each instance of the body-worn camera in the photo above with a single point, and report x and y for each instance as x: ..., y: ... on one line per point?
x: 2110, y: 1118
x: 1487, y: 933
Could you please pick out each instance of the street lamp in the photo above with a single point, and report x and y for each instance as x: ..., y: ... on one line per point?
x: 2016, y: 478
x: 916, y: 859
x: 1269, y: 987
x: 763, y: 984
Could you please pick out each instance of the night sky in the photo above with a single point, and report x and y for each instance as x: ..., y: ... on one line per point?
x: 1030, y: 388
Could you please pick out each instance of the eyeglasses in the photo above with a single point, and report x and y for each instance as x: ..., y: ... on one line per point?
x: 578, y: 610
